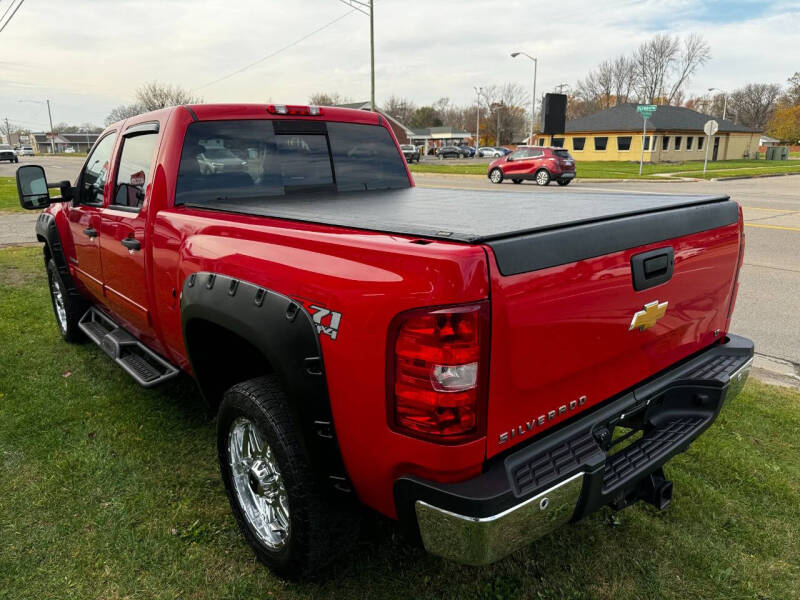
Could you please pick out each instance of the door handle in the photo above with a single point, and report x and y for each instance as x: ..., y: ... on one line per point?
x: 91, y: 232
x: 132, y: 244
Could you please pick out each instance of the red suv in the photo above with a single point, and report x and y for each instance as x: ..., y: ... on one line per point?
x: 542, y: 164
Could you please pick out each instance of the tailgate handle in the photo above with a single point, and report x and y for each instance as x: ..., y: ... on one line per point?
x: 649, y: 269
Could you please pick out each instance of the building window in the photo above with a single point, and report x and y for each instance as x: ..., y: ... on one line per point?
x: 689, y: 141
x: 578, y: 143
x: 665, y: 142
x: 558, y: 142
x: 700, y: 141
x: 677, y: 142
x: 542, y: 141
x: 600, y: 143
x: 623, y: 143
x: 646, y: 142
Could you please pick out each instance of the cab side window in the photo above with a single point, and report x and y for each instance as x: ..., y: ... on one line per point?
x: 133, y: 173
x: 95, y: 173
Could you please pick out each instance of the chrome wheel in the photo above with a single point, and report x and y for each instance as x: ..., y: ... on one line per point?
x: 58, y: 303
x: 496, y: 176
x: 258, y: 483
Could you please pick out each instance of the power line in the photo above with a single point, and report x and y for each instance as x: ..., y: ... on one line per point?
x: 12, y: 14
x: 284, y: 48
x: 10, y: 4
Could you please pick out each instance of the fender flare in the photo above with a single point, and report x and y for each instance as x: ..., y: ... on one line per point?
x: 285, y: 334
x: 47, y: 231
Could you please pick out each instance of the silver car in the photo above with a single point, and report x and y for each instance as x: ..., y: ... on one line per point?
x: 489, y: 152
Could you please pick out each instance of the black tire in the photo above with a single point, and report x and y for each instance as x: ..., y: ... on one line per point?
x: 496, y: 175
x: 517, y: 180
x: 564, y: 181
x: 73, y: 307
x: 542, y: 177
x: 318, y: 532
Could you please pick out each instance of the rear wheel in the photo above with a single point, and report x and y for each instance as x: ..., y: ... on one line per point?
x: 496, y: 176
x: 460, y: 155
x: 276, y: 499
x: 517, y: 180
x: 564, y: 181
x: 542, y: 177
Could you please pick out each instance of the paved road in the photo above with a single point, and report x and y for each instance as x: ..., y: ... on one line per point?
x: 769, y: 296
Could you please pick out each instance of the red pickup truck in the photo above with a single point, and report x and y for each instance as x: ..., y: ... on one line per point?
x: 484, y: 367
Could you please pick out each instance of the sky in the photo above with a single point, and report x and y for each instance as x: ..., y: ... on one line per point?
x: 88, y: 56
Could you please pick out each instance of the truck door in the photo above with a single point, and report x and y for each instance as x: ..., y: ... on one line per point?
x: 84, y: 216
x: 122, y: 228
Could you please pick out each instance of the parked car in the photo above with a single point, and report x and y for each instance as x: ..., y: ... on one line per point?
x: 410, y: 152
x: 502, y: 150
x: 542, y: 164
x: 450, y: 152
x: 484, y: 151
x: 217, y: 159
x: 7, y: 153
x: 469, y: 151
x: 451, y: 360
x: 69, y: 150
x: 27, y: 151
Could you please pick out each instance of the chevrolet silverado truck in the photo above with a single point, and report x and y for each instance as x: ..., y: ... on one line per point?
x: 480, y: 366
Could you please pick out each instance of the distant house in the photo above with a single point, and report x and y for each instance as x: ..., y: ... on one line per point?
x: 80, y: 142
x: 674, y: 133
x: 765, y: 140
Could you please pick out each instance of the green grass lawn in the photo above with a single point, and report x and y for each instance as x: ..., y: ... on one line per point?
x: 9, y: 201
x: 630, y: 170
x: 112, y: 491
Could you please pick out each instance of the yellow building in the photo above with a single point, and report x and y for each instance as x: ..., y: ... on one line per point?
x: 674, y: 134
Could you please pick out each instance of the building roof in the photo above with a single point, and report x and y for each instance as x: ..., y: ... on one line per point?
x: 80, y: 137
x: 624, y: 117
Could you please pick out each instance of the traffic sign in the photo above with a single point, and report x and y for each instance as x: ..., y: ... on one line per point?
x: 646, y: 110
x: 711, y: 127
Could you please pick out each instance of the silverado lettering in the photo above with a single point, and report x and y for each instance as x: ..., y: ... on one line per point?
x: 217, y: 240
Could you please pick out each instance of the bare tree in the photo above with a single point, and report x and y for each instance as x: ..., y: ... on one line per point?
x: 792, y: 95
x: 124, y: 111
x: 623, y: 74
x: 694, y: 53
x: 401, y: 109
x: 653, y: 61
x: 328, y: 99
x: 154, y: 95
x: 754, y: 104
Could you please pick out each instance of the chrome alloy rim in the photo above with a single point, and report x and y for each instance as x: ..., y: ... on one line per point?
x: 541, y: 178
x: 258, y: 483
x: 58, y: 302
x: 496, y: 176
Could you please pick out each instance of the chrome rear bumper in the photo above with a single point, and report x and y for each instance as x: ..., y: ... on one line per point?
x: 483, y: 540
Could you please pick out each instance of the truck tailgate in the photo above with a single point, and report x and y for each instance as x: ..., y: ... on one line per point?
x: 565, y: 330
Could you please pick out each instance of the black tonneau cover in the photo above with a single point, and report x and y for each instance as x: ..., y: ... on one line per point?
x: 526, y: 231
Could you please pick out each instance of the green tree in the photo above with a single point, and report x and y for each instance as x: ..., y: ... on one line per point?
x: 785, y: 124
x: 425, y: 116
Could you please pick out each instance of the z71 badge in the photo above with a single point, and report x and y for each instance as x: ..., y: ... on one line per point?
x: 327, y: 321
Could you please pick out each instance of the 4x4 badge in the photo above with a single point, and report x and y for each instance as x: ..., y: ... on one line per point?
x: 646, y: 318
x: 327, y: 321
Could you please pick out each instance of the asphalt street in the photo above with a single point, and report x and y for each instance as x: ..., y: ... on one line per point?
x: 768, y: 305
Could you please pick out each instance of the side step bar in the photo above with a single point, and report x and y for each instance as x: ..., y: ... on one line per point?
x: 141, y: 363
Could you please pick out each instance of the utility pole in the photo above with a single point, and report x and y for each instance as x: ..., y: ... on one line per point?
x: 561, y: 87
x: 52, y: 134
x: 8, y: 131
x: 478, y: 91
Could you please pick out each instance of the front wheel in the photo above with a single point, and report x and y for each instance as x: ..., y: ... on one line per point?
x: 68, y: 308
x: 542, y: 177
x: 564, y: 181
x: 271, y: 487
x: 496, y: 176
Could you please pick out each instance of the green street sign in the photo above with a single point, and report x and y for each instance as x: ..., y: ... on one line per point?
x: 646, y: 110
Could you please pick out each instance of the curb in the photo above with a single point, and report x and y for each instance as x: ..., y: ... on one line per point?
x: 734, y: 177
x: 776, y: 371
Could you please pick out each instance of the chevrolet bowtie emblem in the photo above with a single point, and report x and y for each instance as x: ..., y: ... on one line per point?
x: 645, y: 319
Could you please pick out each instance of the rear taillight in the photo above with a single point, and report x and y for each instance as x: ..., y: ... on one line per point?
x: 437, y: 372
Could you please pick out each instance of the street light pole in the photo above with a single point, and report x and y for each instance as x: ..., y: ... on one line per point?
x: 533, y: 94
x: 52, y: 134
x: 725, y: 101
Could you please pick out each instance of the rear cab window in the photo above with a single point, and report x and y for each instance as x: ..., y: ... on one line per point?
x: 251, y: 159
x: 563, y: 154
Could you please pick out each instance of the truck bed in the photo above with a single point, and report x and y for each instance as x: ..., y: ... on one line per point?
x: 526, y: 231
